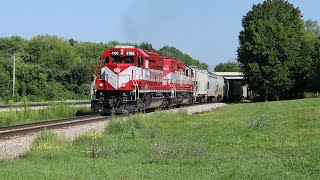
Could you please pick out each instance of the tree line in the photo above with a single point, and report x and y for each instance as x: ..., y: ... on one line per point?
x: 279, y: 52
x: 53, y: 68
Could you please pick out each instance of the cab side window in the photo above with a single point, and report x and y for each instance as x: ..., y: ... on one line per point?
x: 129, y: 59
x: 140, y: 61
x: 106, y: 60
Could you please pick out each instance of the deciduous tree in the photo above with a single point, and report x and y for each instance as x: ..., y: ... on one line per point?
x: 270, y: 48
x: 227, y: 67
x: 178, y: 55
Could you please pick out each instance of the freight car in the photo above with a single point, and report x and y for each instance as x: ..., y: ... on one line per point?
x: 209, y: 87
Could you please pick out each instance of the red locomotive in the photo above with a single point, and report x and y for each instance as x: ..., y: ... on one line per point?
x: 131, y: 79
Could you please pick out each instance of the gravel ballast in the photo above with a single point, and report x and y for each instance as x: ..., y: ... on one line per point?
x: 14, y: 146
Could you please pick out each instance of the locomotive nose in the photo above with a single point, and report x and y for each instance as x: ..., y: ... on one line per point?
x: 117, y: 68
x: 118, y: 76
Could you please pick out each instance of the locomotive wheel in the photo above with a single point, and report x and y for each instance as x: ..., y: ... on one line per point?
x: 201, y: 100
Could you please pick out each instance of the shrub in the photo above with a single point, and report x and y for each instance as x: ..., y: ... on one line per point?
x: 49, y: 140
x: 125, y: 126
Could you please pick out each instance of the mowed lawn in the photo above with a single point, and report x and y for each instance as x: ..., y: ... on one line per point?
x: 273, y: 140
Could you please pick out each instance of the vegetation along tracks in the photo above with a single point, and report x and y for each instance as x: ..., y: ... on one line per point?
x: 20, y: 129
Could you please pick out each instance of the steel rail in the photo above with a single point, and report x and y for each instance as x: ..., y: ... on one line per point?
x: 27, y: 128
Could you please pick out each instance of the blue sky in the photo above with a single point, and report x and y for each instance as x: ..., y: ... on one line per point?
x: 205, y: 29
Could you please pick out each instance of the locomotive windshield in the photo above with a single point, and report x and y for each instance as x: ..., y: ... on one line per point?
x: 125, y: 59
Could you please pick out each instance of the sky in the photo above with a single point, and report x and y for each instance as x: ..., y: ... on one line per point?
x: 205, y: 29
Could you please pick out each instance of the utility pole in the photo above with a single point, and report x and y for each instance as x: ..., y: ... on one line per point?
x: 13, y: 73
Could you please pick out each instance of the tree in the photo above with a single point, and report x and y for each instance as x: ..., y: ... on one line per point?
x: 10, y: 45
x: 312, y: 27
x: 269, y: 49
x: 54, y: 68
x: 90, y: 50
x: 315, y: 76
x: 146, y: 46
x: 311, y: 47
x: 178, y: 55
x: 4, y: 83
x: 73, y: 42
x: 227, y: 67
x: 51, y: 51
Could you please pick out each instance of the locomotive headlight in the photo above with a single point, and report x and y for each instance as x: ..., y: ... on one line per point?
x: 100, y: 85
x: 123, y: 85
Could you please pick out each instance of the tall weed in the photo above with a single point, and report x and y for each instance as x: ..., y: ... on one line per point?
x: 126, y: 126
x: 25, y: 114
x: 49, y: 140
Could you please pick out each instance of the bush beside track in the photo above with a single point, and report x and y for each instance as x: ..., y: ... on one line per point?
x: 37, y: 104
x: 54, y: 111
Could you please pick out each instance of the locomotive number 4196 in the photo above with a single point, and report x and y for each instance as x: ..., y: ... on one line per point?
x: 114, y: 53
x: 130, y: 53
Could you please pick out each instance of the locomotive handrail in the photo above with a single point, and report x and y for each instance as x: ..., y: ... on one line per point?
x: 106, y: 80
x: 136, y: 86
x: 173, y: 87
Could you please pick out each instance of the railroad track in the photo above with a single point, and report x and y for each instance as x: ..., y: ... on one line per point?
x: 20, y: 107
x: 21, y: 129
x: 45, y: 104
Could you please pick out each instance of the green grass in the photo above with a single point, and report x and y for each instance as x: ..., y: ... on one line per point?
x: 274, y: 140
x: 54, y: 111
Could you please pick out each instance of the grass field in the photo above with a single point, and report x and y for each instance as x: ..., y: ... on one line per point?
x: 53, y: 111
x: 274, y: 140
